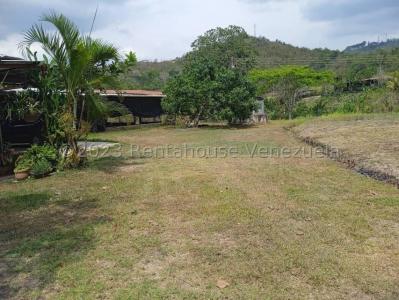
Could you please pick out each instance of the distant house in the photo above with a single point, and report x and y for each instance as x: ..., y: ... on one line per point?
x: 376, y: 80
x: 359, y: 85
x: 145, y: 106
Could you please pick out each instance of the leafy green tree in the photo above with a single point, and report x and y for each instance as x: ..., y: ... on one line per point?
x: 289, y: 83
x: 235, y: 102
x: 231, y: 48
x: 130, y: 59
x: 213, y: 82
x: 150, y: 79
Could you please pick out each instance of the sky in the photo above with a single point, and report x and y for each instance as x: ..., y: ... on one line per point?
x: 165, y: 29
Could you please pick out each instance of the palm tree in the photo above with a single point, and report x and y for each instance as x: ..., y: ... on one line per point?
x: 81, y: 62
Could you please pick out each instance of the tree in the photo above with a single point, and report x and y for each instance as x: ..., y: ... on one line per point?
x: 82, y: 64
x: 289, y: 83
x: 213, y: 82
x: 236, y: 99
x: 130, y: 59
x: 231, y: 48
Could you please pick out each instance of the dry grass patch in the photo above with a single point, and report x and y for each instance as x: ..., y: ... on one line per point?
x: 273, y: 228
x: 369, y: 145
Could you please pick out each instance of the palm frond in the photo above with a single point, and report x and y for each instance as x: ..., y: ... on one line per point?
x: 82, y: 63
x: 50, y: 42
x: 68, y: 31
x: 101, y: 51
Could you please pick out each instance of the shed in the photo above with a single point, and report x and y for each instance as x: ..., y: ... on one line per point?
x: 144, y: 105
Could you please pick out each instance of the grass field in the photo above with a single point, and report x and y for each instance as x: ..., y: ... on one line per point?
x: 369, y: 142
x: 261, y: 226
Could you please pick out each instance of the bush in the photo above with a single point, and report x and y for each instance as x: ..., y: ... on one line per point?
x: 23, y: 164
x: 45, y: 152
x: 39, y: 160
x: 41, y: 168
x: 274, y: 108
x: 72, y: 159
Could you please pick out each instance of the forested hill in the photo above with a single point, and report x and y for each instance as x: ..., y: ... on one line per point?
x: 270, y: 54
x: 276, y: 53
x: 373, y: 46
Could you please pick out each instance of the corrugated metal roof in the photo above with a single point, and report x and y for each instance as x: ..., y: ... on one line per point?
x: 9, y: 62
x: 132, y: 93
x: 15, y: 72
x: 6, y: 57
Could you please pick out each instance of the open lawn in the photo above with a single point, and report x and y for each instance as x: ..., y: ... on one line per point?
x: 240, y: 226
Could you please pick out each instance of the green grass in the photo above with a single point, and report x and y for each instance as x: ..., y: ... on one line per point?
x: 146, y: 228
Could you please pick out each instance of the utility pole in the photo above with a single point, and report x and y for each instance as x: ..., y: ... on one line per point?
x: 254, y: 30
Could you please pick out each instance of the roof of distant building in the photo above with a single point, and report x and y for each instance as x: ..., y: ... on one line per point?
x: 132, y: 93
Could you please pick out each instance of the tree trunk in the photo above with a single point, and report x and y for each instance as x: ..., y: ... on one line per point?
x: 81, y: 113
x: 198, y: 117
x: 196, y: 122
x: 75, y: 114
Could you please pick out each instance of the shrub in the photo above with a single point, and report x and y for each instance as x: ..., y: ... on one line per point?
x: 41, y: 168
x: 46, y: 152
x: 274, y: 108
x: 23, y: 164
x: 39, y: 160
x: 71, y: 159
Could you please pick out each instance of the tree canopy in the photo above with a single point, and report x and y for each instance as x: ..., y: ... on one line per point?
x: 289, y: 83
x: 267, y: 79
x: 213, y: 82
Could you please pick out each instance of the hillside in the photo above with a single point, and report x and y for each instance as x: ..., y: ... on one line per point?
x: 358, y: 61
x: 151, y: 75
x: 276, y: 53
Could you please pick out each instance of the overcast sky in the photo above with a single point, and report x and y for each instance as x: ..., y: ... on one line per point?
x: 164, y: 29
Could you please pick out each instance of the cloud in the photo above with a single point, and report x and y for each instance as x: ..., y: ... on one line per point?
x: 327, y: 10
x: 356, y: 19
x: 9, y: 45
x: 164, y: 29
